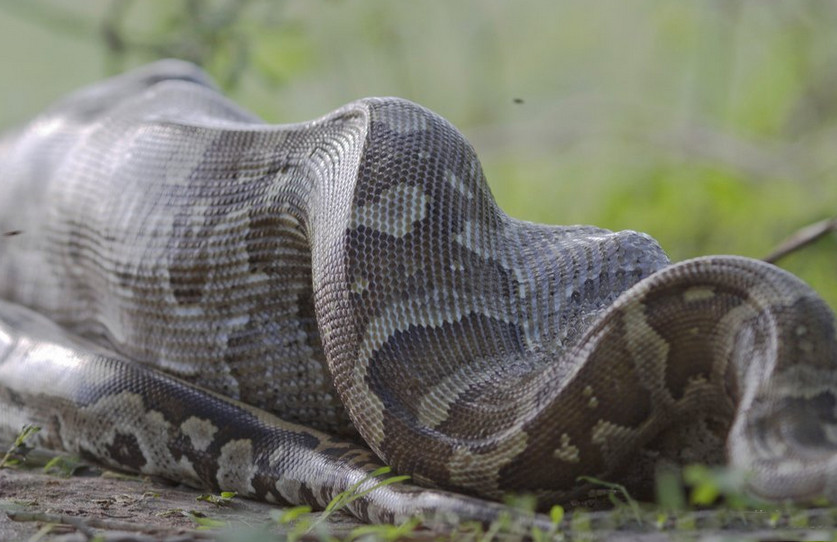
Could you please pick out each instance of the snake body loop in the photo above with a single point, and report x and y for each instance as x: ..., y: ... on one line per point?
x: 276, y: 310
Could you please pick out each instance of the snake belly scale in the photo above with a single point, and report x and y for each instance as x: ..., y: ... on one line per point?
x: 278, y: 310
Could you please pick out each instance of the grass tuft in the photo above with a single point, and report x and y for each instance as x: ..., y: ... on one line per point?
x: 17, y: 452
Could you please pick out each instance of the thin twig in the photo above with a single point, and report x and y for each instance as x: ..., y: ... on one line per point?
x: 87, y: 525
x: 802, y: 238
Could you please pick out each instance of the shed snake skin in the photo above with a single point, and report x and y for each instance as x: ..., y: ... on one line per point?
x: 278, y: 310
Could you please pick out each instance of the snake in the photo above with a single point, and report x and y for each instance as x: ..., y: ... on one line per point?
x: 279, y: 310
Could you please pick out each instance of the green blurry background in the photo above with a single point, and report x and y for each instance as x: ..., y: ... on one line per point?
x: 711, y: 125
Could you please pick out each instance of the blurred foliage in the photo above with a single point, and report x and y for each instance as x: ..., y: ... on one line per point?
x: 712, y: 125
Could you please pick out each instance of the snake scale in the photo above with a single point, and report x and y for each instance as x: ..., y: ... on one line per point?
x: 278, y: 310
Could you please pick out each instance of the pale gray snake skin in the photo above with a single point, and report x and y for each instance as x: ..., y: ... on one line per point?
x: 353, y: 277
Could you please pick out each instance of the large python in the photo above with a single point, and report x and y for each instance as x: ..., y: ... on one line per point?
x: 195, y: 294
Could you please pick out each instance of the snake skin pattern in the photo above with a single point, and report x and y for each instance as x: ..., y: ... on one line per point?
x: 279, y: 310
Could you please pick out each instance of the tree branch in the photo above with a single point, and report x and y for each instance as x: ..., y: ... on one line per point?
x: 803, y: 238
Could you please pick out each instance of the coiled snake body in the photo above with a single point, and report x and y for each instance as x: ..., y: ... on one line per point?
x: 192, y: 275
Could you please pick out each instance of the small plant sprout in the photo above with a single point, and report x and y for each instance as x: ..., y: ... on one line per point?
x: 16, y: 454
x: 614, y: 490
x: 222, y: 499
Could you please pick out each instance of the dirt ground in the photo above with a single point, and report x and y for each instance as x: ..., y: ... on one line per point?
x: 110, y: 507
x: 38, y: 506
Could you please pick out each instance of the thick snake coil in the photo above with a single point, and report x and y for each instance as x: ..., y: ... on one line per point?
x: 353, y: 276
